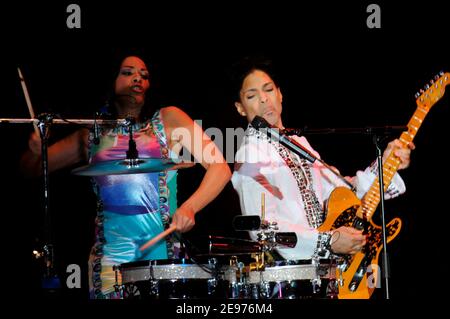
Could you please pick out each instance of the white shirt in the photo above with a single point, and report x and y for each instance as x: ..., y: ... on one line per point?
x: 260, y: 169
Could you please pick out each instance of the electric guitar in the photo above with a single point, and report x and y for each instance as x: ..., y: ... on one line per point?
x: 358, y: 274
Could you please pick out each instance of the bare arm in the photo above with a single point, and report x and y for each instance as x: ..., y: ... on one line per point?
x: 68, y: 151
x: 180, y: 128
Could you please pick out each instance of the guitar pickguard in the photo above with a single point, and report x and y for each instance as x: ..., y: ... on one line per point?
x: 373, y: 242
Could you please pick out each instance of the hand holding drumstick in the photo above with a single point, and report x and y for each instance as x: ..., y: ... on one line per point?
x: 157, y: 238
x: 183, y: 221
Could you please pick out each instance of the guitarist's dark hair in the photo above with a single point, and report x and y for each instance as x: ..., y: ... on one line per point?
x: 243, y: 67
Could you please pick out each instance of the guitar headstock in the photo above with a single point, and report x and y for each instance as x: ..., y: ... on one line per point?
x: 432, y: 92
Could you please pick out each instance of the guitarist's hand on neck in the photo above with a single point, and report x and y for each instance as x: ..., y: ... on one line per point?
x: 347, y: 240
x: 401, y: 151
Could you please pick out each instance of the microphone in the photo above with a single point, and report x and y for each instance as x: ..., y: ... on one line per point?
x: 276, y: 135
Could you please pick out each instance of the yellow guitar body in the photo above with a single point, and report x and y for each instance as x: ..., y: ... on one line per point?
x: 359, y: 274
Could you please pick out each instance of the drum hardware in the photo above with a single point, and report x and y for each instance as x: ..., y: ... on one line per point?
x: 44, y: 248
x: 117, y: 287
x: 50, y: 278
x: 267, y: 237
x: 131, y: 164
x: 341, y: 278
x: 238, y: 287
x: 259, y: 263
x: 295, y: 279
x: 179, y: 279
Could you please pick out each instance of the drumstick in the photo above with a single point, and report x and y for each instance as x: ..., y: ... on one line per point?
x: 158, y: 237
x: 263, y: 207
x: 27, y: 99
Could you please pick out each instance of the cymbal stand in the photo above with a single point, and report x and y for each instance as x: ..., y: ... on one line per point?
x: 49, y: 280
x: 132, y: 153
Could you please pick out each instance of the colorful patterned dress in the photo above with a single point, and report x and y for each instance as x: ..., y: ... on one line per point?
x: 131, y: 208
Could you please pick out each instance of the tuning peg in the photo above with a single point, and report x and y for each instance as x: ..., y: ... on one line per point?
x: 427, y: 86
x: 431, y: 82
x: 441, y: 73
x: 436, y: 77
x: 421, y: 91
x: 417, y: 95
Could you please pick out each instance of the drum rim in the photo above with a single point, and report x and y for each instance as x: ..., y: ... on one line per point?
x: 297, y: 262
x: 156, y: 262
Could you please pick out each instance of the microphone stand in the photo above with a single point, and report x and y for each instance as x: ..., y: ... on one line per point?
x: 278, y: 135
x: 385, y: 263
x: 375, y: 132
x: 370, y: 130
x: 50, y: 280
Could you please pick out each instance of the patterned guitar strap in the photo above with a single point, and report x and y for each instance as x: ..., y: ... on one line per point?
x: 302, y: 174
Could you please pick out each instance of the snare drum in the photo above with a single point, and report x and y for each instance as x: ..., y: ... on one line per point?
x: 299, y: 279
x: 168, y: 279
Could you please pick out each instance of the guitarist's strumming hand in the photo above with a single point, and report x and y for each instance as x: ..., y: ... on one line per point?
x: 347, y: 240
x: 401, y: 151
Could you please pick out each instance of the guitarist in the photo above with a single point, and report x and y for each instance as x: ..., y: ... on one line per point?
x: 295, y: 190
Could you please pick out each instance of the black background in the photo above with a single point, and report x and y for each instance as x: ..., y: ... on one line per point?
x: 335, y: 72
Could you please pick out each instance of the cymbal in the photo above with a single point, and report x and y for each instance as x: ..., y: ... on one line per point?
x: 99, y: 122
x: 130, y: 166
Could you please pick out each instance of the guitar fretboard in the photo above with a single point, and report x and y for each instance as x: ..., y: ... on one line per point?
x: 371, y: 200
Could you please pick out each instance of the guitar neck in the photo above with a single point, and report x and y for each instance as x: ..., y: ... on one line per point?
x: 424, y: 103
x: 390, y: 166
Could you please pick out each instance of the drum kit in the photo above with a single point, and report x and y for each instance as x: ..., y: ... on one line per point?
x: 229, y: 268
x: 130, y: 164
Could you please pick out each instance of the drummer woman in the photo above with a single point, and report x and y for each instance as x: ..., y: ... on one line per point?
x: 133, y: 208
